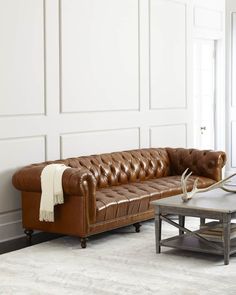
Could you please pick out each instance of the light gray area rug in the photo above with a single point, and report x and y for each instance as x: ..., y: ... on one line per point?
x: 119, y: 262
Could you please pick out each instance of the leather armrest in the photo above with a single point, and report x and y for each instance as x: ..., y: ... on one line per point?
x: 200, y: 162
x: 28, y: 178
x: 73, y: 180
x: 81, y: 181
x: 78, y: 182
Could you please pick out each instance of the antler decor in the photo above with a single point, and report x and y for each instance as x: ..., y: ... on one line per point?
x: 188, y: 195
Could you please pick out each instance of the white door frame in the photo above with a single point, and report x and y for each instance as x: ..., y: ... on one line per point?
x: 219, y: 87
x: 230, y: 108
x: 198, y: 100
x: 220, y: 95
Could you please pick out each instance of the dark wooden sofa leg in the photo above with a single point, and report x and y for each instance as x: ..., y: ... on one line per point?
x: 202, y: 221
x: 83, y: 242
x: 28, y: 233
x: 137, y: 227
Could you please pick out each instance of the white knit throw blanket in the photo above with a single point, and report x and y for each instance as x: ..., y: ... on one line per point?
x: 52, y: 191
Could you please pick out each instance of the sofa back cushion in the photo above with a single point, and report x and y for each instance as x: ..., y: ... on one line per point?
x: 123, y: 167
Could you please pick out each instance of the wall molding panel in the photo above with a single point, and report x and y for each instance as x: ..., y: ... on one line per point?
x: 22, y: 71
x: 89, y: 77
x: 208, y: 18
x: 15, y: 153
x: 168, y: 135
x: 112, y: 68
x: 168, y: 54
x: 86, y: 143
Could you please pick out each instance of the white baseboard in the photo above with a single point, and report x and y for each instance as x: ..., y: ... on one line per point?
x: 11, y: 226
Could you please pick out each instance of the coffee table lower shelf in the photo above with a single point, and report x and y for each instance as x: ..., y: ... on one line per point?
x: 191, y: 243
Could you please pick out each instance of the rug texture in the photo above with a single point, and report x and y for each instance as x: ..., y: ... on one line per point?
x: 118, y: 262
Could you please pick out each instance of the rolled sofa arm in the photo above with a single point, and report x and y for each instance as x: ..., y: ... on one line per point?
x: 200, y: 162
x: 75, y: 181
x: 81, y: 181
x: 28, y: 178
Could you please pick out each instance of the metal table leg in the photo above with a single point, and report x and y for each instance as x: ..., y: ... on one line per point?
x: 158, y: 223
x: 226, y: 237
x: 181, y: 223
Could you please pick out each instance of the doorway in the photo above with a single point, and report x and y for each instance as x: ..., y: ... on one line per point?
x: 204, y: 76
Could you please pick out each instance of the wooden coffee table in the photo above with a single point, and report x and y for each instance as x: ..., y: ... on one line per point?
x: 216, y: 204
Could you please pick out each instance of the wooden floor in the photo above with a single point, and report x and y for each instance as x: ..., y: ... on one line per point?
x: 20, y: 243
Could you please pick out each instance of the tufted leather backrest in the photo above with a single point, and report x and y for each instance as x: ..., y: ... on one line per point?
x: 200, y: 162
x: 124, y: 167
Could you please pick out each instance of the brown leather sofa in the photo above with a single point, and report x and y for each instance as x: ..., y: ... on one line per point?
x: 103, y: 192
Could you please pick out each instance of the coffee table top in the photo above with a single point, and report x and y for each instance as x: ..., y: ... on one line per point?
x: 214, y: 200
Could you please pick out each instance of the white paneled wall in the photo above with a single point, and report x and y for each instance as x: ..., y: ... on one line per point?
x: 208, y: 18
x: 169, y: 135
x: 99, y: 55
x: 15, y: 153
x: 22, y: 57
x: 168, y: 56
x: 86, y: 143
x: 82, y: 77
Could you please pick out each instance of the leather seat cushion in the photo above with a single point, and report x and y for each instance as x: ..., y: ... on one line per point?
x: 133, y: 198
